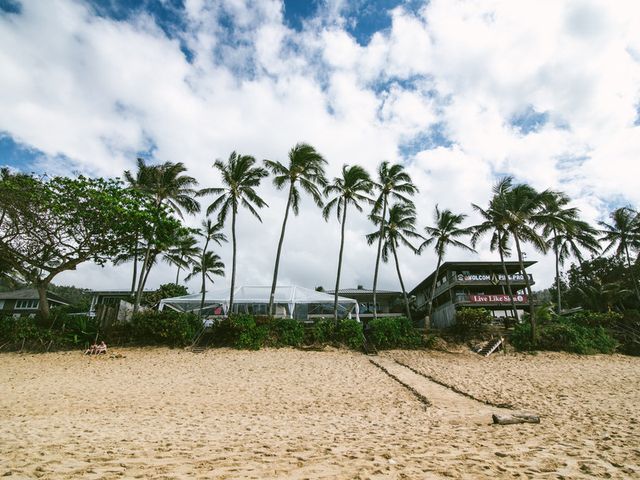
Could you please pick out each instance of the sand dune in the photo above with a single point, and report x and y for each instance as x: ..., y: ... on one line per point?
x: 159, y: 413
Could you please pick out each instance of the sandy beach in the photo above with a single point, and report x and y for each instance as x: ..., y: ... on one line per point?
x: 160, y: 413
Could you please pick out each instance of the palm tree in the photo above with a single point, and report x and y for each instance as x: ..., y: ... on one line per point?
x: 622, y: 234
x: 399, y: 228
x: 566, y: 234
x: 167, y: 185
x: 206, y: 262
x: 443, y: 234
x: 522, y: 206
x: 208, y: 265
x: 240, y: 179
x: 182, y: 253
x: 306, y: 168
x: 351, y: 188
x: 393, y: 182
x: 495, y: 223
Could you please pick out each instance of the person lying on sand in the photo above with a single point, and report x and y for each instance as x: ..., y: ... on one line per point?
x: 96, y: 349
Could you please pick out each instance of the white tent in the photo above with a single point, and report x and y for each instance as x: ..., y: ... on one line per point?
x: 291, y: 302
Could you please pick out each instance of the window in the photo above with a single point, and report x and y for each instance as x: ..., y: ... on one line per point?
x: 26, y: 304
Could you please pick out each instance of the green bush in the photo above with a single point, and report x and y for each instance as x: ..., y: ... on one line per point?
x: 285, y: 332
x: 241, y: 332
x: 393, y: 332
x: 564, y: 335
x: 323, y: 331
x: 471, y: 321
x: 349, y: 333
x: 167, y: 327
x: 25, y: 333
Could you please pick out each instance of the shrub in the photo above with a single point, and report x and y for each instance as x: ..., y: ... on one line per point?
x: 241, y: 332
x: 348, y: 332
x: 323, y: 331
x: 393, y: 332
x: 564, y: 335
x: 167, y: 327
x: 470, y: 321
x: 285, y: 332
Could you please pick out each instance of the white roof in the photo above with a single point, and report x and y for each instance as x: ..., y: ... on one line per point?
x: 258, y: 294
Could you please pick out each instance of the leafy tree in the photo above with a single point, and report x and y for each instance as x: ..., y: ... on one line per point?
x: 167, y: 290
x: 444, y: 233
x: 205, y: 263
x: 182, y: 253
x: 306, y: 169
x: 567, y: 235
x: 209, y: 265
x: 521, y: 207
x: 399, y: 228
x: 623, y: 233
x: 240, y: 179
x: 166, y: 185
x: 494, y: 222
x: 351, y: 188
x: 48, y: 226
x: 393, y: 182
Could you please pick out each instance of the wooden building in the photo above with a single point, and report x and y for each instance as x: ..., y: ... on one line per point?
x: 471, y: 284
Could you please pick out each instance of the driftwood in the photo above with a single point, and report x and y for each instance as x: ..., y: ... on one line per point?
x: 513, y: 418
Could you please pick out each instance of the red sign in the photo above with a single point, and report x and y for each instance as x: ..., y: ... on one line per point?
x: 497, y: 298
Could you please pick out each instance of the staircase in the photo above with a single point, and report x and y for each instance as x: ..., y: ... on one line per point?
x: 200, y: 341
x: 491, y: 346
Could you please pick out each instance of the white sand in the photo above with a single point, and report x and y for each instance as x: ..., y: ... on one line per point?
x: 159, y: 413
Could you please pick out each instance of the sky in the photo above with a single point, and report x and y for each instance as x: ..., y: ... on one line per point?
x: 461, y: 92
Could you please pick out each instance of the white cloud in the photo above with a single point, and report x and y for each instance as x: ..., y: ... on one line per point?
x: 96, y: 91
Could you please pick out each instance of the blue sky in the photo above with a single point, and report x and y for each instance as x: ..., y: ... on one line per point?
x: 459, y: 92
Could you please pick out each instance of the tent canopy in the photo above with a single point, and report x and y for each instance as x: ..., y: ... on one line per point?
x: 291, y: 301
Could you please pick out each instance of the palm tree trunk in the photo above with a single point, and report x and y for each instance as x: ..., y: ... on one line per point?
x: 178, y: 275
x: 204, y: 275
x: 233, y: 260
x: 532, y: 312
x: 335, y: 294
x: 375, y: 274
x: 135, y: 267
x: 433, y: 288
x: 555, y: 251
x: 633, y: 275
x: 272, y: 295
x: 506, y: 277
x: 404, y: 292
x: 147, y: 254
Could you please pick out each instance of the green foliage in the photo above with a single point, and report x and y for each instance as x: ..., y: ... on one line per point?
x: 170, y: 328
x: 393, y: 332
x: 285, y: 332
x: 349, y: 333
x: 323, y: 331
x: 51, y: 225
x: 470, y: 322
x: 241, y: 332
x: 566, y: 335
x: 79, y: 298
x: 166, y: 290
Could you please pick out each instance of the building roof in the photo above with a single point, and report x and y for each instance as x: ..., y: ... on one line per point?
x: 362, y: 291
x: 461, y: 265
x: 31, y: 294
x: 260, y: 294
